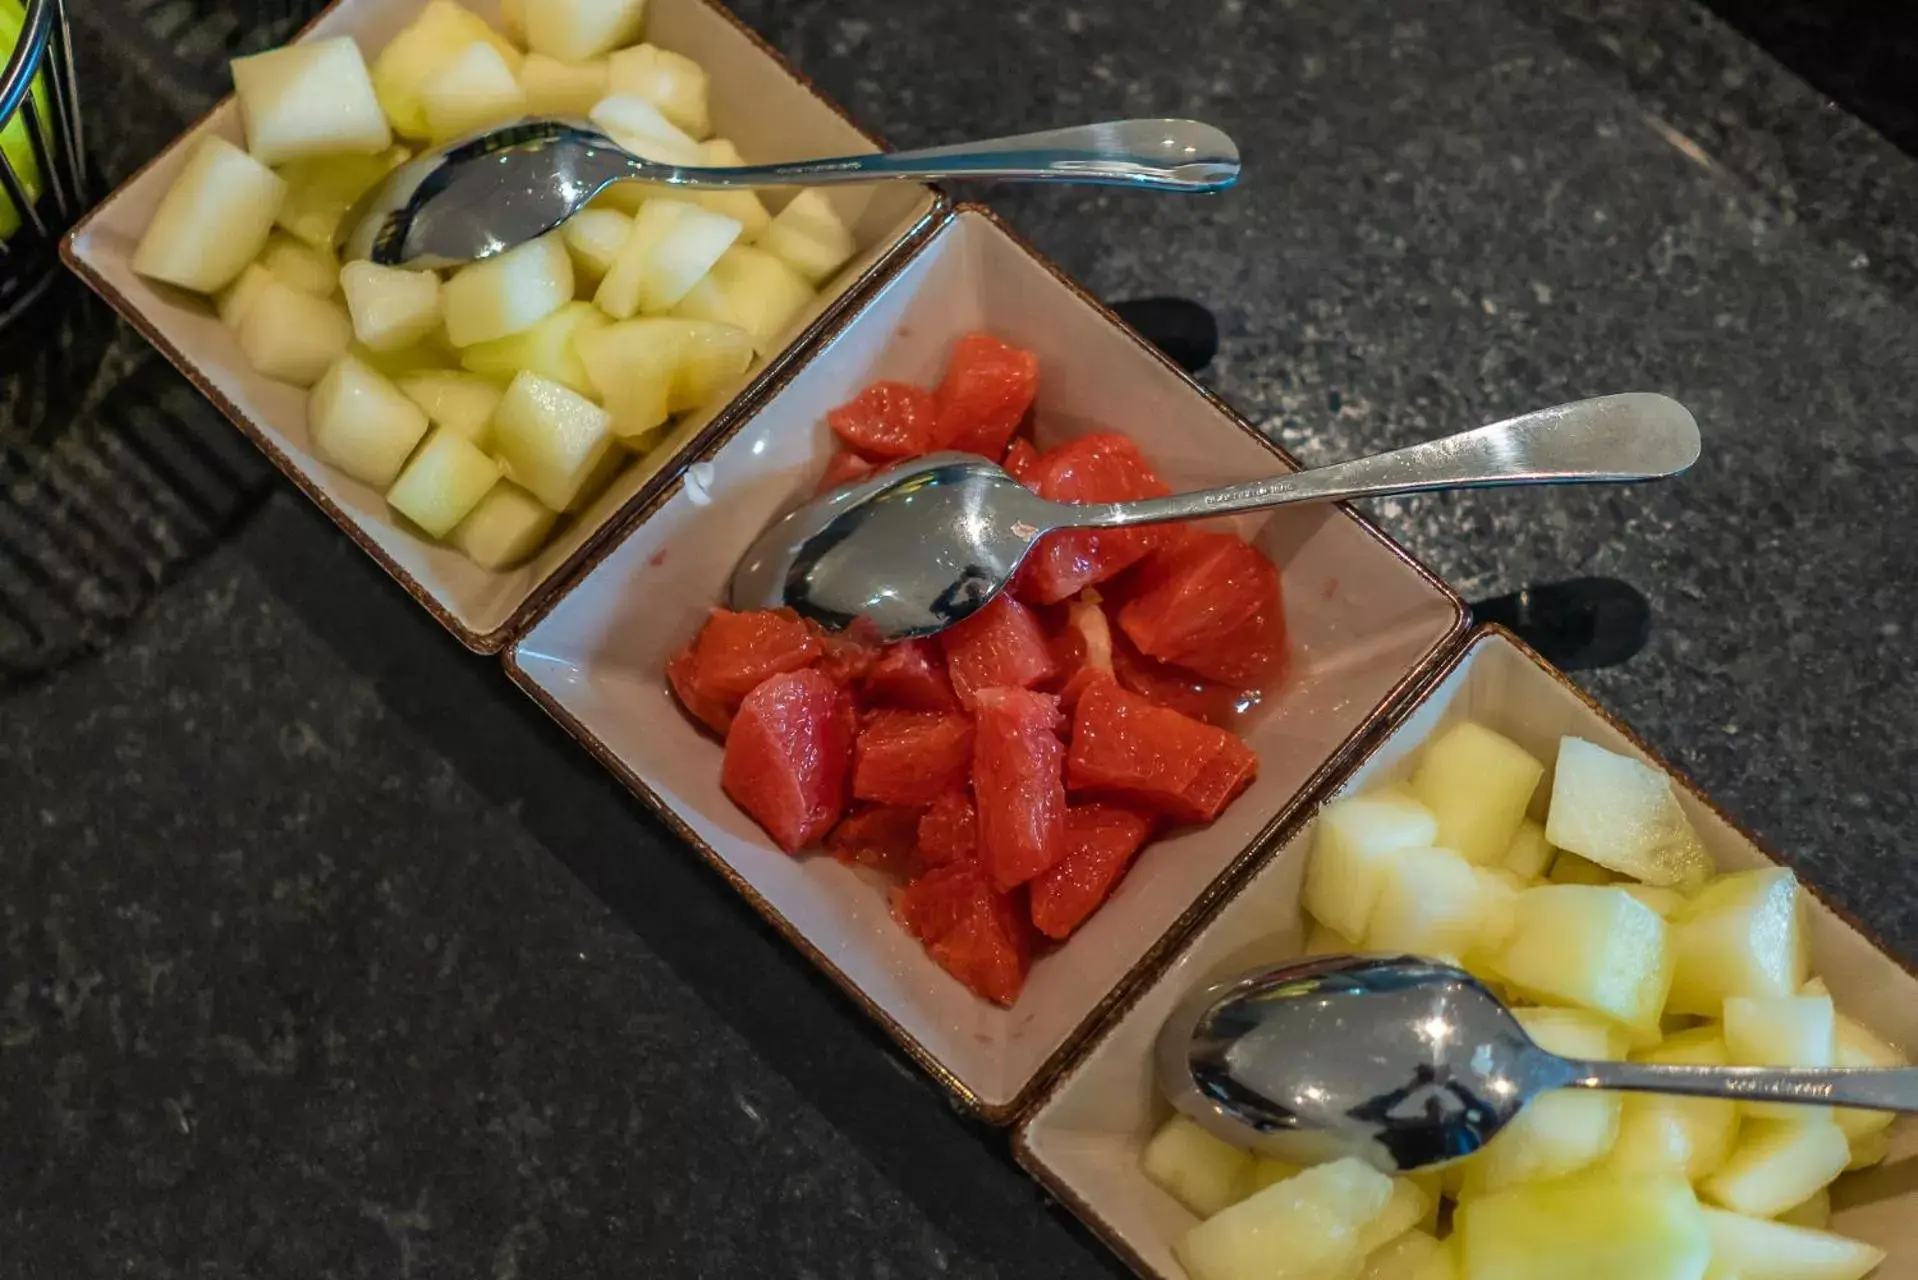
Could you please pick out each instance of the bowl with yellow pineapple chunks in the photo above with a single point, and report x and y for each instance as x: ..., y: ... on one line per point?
x: 476, y: 430
x: 1509, y: 825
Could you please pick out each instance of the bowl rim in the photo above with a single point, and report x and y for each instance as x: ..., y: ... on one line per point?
x: 1222, y: 886
x: 543, y: 590
x: 1484, y: 634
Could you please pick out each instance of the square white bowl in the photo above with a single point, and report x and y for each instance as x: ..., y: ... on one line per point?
x: 1084, y: 1139
x: 1365, y: 620
x: 758, y: 101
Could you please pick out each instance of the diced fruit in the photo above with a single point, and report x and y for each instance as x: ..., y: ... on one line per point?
x: 391, y: 308
x: 506, y: 528
x: 633, y: 366
x: 711, y: 356
x: 1667, y: 902
x: 1777, y: 1164
x: 672, y: 244
x: 1687, y: 1136
x: 1560, y: 1132
x: 361, y: 423
x: 1210, y: 603
x: 1621, y: 813
x: 643, y: 129
x: 1814, y: 1212
x: 1100, y: 842
x: 1569, y: 868
x: 430, y: 356
x: 670, y: 81
x: 988, y: 387
x: 549, y: 349
x: 509, y: 293
x: 1209, y: 700
x: 911, y: 757
x: 445, y: 480
x: 293, y: 336
x: 884, y: 837
x: 1477, y: 783
x: 238, y: 297
x: 554, y: 88
x: 1322, y: 941
x: 593, y: 237
x: 1744, y: 935
x: 1402, y: 1258
x: 1124, y: 747
x: 1352, y: 849
x: 912, y: 676
x: 473, y: 90
x: 320, y: 190
x: 1002, y: 645
x: 441, y: 32
x: 737, y: 652
x: 740, y: 204
x: 1751, y: 1248
x: 550, y: 438
x: 309, y: 99
x: 887, y: 420
x: 808, y: 236
x: 575, y: 30
x: 1021, y: 456
x: 788, y: 754
x: 462, y: 403
x: 1407, y: 1207
x: 294, y: 262
x: 1263, y: 1172
x: 212, y: 221
x: 749, y: 288
x: 977, y: 935
x: 1781, y: 1031
x: 949, y: 830
x: 1430, y: 905
x: 1104, y: 467
x: 1018, y: 778
x: 711, y: 712
x: 1597, y: 948
x: 1854, y: 1046
x: 1442, y: 1265
x: 1304, y: 1228
x: 1592, y: 1226
x: 1083, y: 650
x: 846, y: 658
x: 1530, y: 853
x: 1201, y: 1172
x: 1868, y: 1149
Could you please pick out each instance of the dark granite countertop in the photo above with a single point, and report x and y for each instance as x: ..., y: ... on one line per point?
x: 322, y: 954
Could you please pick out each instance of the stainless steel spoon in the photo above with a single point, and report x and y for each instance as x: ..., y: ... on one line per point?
x: 1408, y: 1063
x: 484, y: 194
x: 920, y: 546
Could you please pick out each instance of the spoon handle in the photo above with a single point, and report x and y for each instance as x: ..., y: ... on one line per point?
x: 1160, y: 155
x: 1876, y: 1089
x: 1636, y: 436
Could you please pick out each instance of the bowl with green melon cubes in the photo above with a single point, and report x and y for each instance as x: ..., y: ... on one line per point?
x: 1509, y: 825
x: 477, y: 430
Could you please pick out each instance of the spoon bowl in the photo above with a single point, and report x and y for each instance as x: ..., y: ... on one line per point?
x: 1409, y: 1063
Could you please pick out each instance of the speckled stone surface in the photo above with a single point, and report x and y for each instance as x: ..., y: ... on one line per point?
x: 322, y: 954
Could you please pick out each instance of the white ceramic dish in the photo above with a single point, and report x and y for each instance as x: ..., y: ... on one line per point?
x: 1084, y: 1138
x: 757, y: 101
x: 1364, y: 620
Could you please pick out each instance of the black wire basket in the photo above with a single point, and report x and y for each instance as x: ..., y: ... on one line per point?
x: 42, y: 165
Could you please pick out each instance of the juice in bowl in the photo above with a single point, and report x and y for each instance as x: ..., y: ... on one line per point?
x: 1359, y: 620
x: 1663, y: 934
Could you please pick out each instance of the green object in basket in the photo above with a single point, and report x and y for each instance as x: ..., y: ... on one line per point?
x: 14, y: 142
